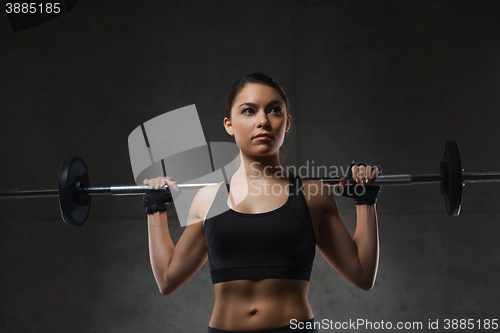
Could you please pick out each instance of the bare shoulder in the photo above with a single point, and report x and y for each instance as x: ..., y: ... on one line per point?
x: 316, y: 190
x: 318, y: 195
x: 202, y: 202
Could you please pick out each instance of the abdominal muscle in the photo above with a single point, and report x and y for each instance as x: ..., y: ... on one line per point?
x: 256, y: 304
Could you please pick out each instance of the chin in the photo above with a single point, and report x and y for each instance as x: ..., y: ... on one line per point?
x: 260, y: 151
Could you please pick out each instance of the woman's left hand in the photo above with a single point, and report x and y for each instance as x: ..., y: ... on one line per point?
x: 362, y: 174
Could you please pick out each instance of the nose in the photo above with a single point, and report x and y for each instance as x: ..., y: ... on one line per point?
x: 262, y: 120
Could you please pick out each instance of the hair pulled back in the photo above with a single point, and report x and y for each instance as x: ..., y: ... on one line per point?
x: 253, y: 78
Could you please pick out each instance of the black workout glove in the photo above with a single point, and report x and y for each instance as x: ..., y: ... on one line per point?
x: 362, y: 195
x: 156, y: 200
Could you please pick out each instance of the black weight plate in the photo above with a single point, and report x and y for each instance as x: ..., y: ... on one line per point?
x: 74, y: 203
x: 452, y: 178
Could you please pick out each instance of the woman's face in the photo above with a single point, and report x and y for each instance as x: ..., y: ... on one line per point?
x: 259, y: 120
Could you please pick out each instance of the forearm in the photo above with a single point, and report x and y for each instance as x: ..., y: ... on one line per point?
x: 367, y: 243
x: 161, y: 246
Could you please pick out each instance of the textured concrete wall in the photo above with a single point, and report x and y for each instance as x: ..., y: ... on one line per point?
x: 386, y: 82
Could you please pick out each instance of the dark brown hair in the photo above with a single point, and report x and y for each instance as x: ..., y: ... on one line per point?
x: 253, y: 78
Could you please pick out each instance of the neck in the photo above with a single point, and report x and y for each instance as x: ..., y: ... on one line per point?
x: 261, y: 166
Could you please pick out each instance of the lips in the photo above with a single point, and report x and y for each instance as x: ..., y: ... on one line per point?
x: 262, y: 136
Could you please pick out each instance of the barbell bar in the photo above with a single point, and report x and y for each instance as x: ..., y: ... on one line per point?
x: 74, y: 189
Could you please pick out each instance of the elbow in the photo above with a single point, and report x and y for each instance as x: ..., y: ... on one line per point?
x: 366, y: 285
x: 164, y: 284
x: 168, y: 288
x: 165, y: 287
x: 165, y: 290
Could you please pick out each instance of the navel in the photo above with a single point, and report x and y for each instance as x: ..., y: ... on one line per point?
x: 253, y: 312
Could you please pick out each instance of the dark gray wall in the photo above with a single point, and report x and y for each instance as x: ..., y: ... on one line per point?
x: 381, y: 81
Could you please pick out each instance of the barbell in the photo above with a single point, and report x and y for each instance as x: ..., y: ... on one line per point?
x: 74, y: 189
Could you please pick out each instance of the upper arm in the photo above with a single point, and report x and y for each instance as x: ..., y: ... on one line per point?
x: 190, y: 252
x: 189, y: 256
x: 334, y: 242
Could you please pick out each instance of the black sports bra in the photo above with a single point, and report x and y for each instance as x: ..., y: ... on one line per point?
x: 276, y: 244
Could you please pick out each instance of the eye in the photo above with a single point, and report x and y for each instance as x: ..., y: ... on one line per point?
x: 275, y: 109
x: 247, y: 111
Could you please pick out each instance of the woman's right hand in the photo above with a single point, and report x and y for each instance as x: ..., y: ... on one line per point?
x: 154, y: 200
x: 156, y: 183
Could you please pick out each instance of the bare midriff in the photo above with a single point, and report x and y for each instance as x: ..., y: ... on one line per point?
x: 257, y: 304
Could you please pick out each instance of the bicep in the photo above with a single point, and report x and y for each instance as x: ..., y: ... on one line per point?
x: 189, y: 256
x: 190, y: 252
x: 336, y: 244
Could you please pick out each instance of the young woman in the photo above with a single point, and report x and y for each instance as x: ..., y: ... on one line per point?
x: 261, y: 248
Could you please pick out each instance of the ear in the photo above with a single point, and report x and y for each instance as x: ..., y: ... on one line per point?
x: 288, y: 121
x: 228, y: 126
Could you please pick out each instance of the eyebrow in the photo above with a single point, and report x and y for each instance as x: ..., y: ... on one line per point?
x: 268, y: 104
